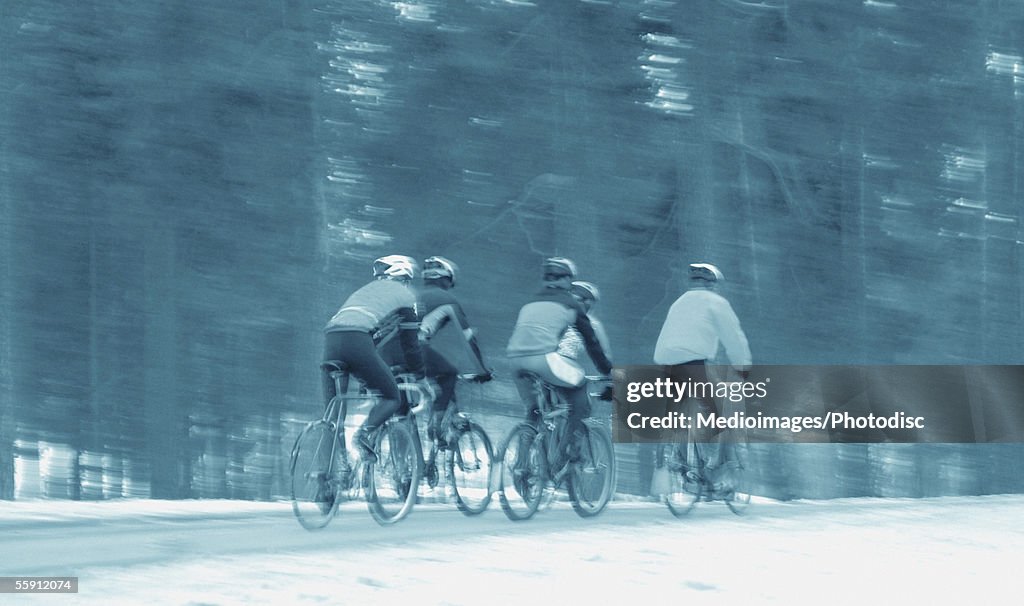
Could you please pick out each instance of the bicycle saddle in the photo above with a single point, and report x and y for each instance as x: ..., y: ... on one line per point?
x: 334, y: 366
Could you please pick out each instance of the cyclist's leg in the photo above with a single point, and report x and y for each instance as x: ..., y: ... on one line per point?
x: 579, y: 409
x: 570, y: 380
x: 704, y: 438
x: 377, y: 376
x: 444, y: 372
x: 535, y: 365
x: 333, y: 350
x: 365, y: 363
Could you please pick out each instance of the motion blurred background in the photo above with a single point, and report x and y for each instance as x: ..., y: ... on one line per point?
x: 189, y: 190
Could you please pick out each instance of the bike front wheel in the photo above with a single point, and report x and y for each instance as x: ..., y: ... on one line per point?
x: 317, y: 471
x: 683, y: 492
x: 394, y: 478
x: 523, y: 473
x: 740, y: 498
x: 592, y: 480
x: 468, y: 465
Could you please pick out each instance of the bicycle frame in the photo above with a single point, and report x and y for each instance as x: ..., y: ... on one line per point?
x: 530, y: 480
x: 424, y: 404
x: 553, y: 428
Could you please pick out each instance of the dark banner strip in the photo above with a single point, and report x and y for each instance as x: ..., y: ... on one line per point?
x: 902, y: 404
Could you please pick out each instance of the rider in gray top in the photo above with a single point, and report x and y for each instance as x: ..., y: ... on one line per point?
x: 533, y: 347
x: 698, y: 323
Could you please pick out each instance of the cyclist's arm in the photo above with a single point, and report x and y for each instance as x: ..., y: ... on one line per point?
x: 731, y: 335
x: 602, y: 336
x: 590, y: 340
x: 452, y: 311
x: 469, y: 335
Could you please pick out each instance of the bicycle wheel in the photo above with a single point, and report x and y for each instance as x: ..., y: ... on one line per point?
x: 740, y: 499
x: 683, y: 493
x: 468, y: 465
x: 394, y: 478
x: 592, y: 480
x: 316, y: 471
x: 523, y: 473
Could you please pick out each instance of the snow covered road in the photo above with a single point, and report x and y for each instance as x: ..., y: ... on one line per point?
x: 943, y: 550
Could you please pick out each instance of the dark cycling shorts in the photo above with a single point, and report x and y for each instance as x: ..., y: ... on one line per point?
x: 356, y: 349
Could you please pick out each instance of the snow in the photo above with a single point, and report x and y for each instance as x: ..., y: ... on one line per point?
x: 942, y: 550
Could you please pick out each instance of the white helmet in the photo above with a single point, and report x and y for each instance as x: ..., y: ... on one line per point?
x: 436, y: 268
x: 395, y: 267
x: 706, y: 272
x: 586, y: 290
x: 558, y: 267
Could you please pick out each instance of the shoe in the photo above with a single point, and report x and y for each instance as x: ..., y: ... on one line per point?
x: 364, y: 444
x: 723, y: 490
x: 520, y: 479
x: 458, y: 424
x: 521, y: 467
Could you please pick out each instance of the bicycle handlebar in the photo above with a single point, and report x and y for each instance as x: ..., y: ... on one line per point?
x: 425, y: 394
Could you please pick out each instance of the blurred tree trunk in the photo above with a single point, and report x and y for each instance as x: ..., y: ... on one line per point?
x: 6, y: 285
x: 164, y: 432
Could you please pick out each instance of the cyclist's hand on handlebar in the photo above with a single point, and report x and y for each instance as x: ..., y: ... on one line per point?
x: 484, y: 377
x: 606, y: 393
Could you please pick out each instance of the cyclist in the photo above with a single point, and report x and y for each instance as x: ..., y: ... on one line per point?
x: 533, y: 347
x: 439, y: 308
x: 698, y: 323
x: 371, y: 316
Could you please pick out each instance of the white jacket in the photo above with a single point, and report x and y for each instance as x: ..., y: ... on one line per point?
x: 697, y: 323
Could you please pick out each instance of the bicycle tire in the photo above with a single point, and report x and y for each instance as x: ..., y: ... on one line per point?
x: 740, y: 499
x: 393, y: 479
x: 522, y: 478
x: 468, y: 463
x: 683, y: 494
x: 592, y: 481
x: 315, y: 493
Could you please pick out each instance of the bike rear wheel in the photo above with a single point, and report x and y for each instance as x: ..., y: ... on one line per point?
x: 317, y: 482
x: 394, y: 478
x: 468, y: 464
x: 523, y: 473
x: 592, y: 480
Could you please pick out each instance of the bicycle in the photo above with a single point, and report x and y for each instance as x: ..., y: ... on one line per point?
x: 467, y: 460
x: 688, y: 484
x: 322, y: 473
x: 534, y: 460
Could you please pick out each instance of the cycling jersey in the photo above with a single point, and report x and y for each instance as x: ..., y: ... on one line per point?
x: 697, y: 323
x: 543, y: 321
x: 382, y: 309
x: 571, y: 344
x: 439, y: 307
